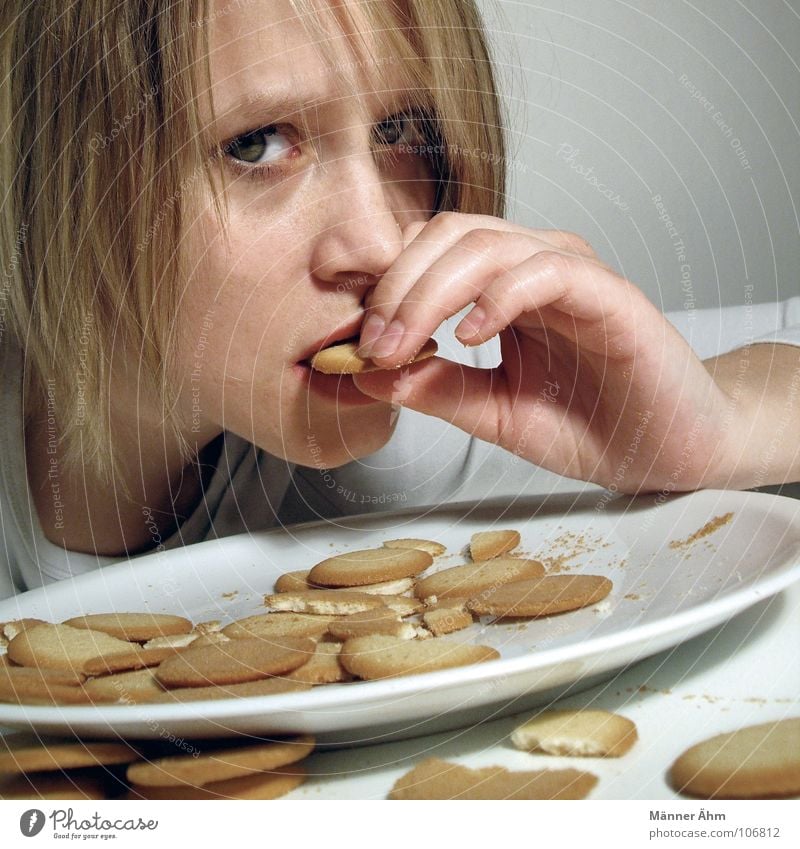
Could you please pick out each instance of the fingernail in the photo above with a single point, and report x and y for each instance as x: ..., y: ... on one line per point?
x: 471, y: 324
x: 370, y: 331
x: 390, y: 341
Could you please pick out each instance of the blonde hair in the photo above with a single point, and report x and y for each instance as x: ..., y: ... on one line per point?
x: 101, y: 141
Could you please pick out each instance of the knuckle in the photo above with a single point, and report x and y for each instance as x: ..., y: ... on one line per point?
x: 576, y: 243
x: 479, y: 240
x: 411, y: 231
x: 447, y: 222
x: 553, y: 264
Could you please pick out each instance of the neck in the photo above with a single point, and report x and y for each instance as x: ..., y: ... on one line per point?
x: 155, y: 490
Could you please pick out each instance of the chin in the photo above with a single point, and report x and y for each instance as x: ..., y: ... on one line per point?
x: 346, y: 441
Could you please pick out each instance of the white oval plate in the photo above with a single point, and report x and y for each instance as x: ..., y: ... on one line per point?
x: 668, y: 587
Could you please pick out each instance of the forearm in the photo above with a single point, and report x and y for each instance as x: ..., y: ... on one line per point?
x: 761, y: 431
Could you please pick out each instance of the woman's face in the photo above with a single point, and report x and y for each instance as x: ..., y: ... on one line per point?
x: 319, y: 190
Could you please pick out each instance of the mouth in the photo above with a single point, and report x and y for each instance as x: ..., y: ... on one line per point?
x: 336, y: 388
x: 345, y: 333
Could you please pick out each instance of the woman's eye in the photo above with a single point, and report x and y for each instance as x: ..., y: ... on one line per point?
x: 259, y: 147
x: 396, y: 128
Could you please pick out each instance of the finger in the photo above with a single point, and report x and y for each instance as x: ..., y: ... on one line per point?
x: 593, y: 297
x: 425, y: 242
x: 482, y: 402
x: 454, y: 280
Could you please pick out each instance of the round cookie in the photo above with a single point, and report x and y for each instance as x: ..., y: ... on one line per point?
x: 343, y: 358
x: 135, y: 627
x: 435, y: 549
x: 266, y: 625
x: 9, y: 630
x: 542, y: 597
x: 219, y: 764
x: 261, y: 785
x: 382, y: 620
x: 471, y: 578
x: 234, y: 662
x: 34, y: 685
x: 446, y: 620
x: 370, y: 566
x: 324, y: 602
x: 293, y: 582
x: 438, y: 779
x: 403, y: 605
x: 576, y: 733
x: 757, y: 762
x: 126, y: 661
x: 379, y: 656
x: 62, y: 646
x: 249, y: 689
x: 488, y: 544
x: 323, y: 668
x: 136, y: 687
x: 29, y: 753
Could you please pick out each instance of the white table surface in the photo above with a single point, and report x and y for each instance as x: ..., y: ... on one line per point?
x: 742, y: 673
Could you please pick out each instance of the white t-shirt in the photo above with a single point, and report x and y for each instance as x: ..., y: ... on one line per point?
x: 426, y: 462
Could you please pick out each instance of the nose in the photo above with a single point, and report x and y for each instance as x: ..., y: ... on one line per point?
x: 359, y: 223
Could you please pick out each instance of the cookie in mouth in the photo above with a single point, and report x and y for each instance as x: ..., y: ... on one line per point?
x: 343, y: 358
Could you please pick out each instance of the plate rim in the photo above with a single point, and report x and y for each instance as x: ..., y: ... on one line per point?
x: 704, y: 616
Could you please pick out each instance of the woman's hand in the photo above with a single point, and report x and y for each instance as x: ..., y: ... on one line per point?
x: 594, y: 383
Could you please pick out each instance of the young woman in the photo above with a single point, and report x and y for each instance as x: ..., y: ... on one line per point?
x: 197, y: 197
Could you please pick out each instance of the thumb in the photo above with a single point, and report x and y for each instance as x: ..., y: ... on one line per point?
x: 463, y: 395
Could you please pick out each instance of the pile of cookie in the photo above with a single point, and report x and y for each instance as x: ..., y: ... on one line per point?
x: 368, y: 614
x: 39, y: 768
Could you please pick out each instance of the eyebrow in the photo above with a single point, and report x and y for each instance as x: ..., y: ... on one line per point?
x: 276, y: 105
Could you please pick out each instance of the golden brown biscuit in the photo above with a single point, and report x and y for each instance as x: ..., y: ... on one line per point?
x: 266, y: 625
x: 323, y: 668
x: 30, y: 690
x: 343, y: 358
x: 9, y: 630
x: 294, y: 582
x: 757, y: 762
x: 370, y: 566
x: 446, y: 620
x: 435, y: 549
x: 220, y: 762
x: 403, y: 605
x: 437, y: 779
x: 29, y: 753
x: 379, y: 656
x: 234, y: 662
x: 176, y: 641
x: 135, y: 627
x: 488, y: 544
x: 472, y: 578
x: 581, y: 733
x: 249, y: 689
x: 324, y: 602
x: 542, y: 597
x: 126, y: 661
x: 137, y: 687
x: 381, y: 620
x: 261, y: 785
x: 62, y: 646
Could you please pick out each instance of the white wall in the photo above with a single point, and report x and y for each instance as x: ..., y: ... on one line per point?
x: 613, y: 103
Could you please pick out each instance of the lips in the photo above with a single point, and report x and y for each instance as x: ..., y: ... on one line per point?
x: 344, y: 333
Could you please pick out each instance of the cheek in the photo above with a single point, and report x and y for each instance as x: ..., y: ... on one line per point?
x: 243, y: 321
